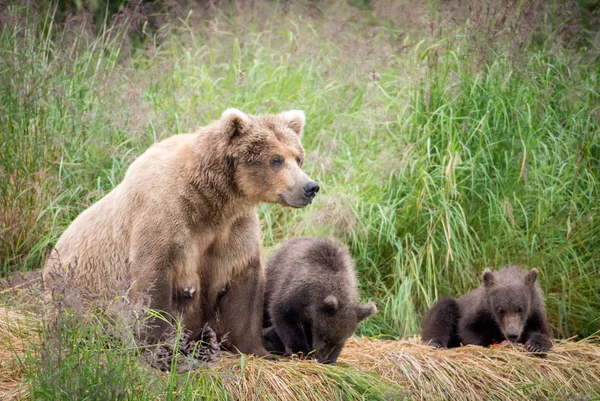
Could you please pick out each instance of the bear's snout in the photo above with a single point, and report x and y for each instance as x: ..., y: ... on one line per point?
x: 512, y: 334
x: 323, y: 356
x: 512, y: 327
x: 302, y: 193
x: 311, y: 189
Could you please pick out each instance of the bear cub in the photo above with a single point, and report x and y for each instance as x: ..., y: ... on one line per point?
x: 508, y: 306
x: 311, y: 299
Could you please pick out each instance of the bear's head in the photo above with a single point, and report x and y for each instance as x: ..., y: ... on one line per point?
x: 334, y: 323
x: 268, y: 157
x: 510, y: 299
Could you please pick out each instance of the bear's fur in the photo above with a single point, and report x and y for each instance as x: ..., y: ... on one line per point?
x: 508, y: 306
x: 311, y: 298
x: 182, y: 228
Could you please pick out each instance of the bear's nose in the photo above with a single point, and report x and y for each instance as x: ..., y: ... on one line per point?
x: 512, y: 334
x: 311, y: 189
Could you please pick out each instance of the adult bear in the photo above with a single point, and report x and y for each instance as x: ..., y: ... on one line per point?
x: 185, y: 218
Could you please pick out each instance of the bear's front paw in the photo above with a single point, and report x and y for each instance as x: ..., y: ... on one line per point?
x: 538, y: 343
x: 434, y: 344
x: 268, y: 357
x: 298, y: 354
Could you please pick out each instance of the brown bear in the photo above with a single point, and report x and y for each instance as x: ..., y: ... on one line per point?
x: 184, y: 223
x: 311, y: 299
x: 508, y: 306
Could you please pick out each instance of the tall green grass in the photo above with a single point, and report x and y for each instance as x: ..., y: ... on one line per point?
x: 434, y: 162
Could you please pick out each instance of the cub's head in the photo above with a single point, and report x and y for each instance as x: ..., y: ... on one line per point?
x: 334, y: 323
x: 509, y: 293
x: 268, y: 157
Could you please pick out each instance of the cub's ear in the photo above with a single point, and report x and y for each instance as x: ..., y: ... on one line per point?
x: 295, y: 119
x: 330, y: 305
x: 234, y: 122
x: 365, y: 310
x: 488, y: 278
x: 531, y: 277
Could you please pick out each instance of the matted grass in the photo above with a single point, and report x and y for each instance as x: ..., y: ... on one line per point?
x: 367, y: 369
x: 17, y: 333
x: 570, y: 369
x: 415, y: 371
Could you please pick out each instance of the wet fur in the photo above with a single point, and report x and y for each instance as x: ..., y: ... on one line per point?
x: 185, y: 215
x: 472, y: 318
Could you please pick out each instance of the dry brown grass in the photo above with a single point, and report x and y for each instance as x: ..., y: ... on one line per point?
x: 17, y: 330
x: 290, y: 380
x: 570, y: 371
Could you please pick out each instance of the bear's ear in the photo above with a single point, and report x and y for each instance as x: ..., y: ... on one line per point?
x: 488, y: 278
x: 330, y: 305
x: 363, y: 311
x: 234, y: 122
x: 531, y: 277
x: 295, y: 119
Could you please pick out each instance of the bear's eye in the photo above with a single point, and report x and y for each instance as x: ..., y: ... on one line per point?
x: 520, y: 309
x: 299, y: 161
x: 500, y: 311
x: 277, y: 161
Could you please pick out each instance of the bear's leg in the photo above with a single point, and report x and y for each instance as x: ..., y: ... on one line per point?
x: 536, y: 334
x: 160, y: 300
x: 241, y: 311
x: 152, y: 276
x: 440, y: 324
x: 266, y: 302
x: 288, y: 327
x: 272, y: 341
x: 479, y: 328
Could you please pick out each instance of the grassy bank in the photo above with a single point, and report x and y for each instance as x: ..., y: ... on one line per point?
x: 444, y: 142
x: 84, y: 363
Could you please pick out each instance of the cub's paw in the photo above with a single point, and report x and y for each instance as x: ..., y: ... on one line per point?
x: 434, y: 344
x: 272, y: 342
x: 538, y: 343
x: 268, y: 357
x: 299, y: 354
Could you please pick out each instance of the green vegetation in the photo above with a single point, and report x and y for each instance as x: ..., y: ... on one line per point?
x: 444, y: 143
x: 433, y: 165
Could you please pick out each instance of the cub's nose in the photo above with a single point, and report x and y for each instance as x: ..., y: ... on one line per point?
x: 512, y: 334
x: 311, y: 189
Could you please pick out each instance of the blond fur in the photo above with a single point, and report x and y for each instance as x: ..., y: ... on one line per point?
x: 185, y: 209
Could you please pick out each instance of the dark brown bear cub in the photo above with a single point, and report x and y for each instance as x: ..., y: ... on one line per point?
x: 311, y: 299
x: 508, y: 306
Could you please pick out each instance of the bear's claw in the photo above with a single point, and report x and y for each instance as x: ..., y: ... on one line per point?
x: 188, y: 292
x: 538, y: 344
